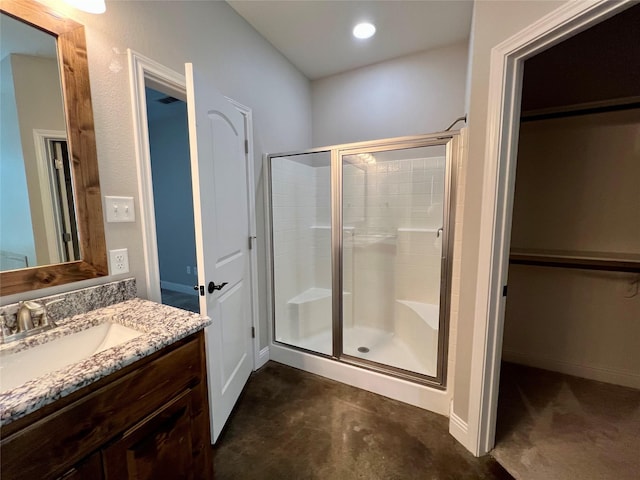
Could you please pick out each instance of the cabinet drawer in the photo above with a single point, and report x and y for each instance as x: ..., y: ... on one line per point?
x: 159, y: 446
x: 50, y: 446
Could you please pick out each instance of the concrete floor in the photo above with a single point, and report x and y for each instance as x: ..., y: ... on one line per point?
x: 290, y: 424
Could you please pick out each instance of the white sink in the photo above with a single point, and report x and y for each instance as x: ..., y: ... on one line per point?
x: 18, y: 368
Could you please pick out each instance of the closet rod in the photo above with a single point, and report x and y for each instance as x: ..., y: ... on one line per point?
x: 595, y: 261
x: 533, y: 116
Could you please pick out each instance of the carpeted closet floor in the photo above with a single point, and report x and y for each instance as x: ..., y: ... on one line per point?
x: 555, y: 426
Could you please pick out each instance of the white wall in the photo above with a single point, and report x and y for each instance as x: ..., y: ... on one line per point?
x: 16, y: 231
x: 493, y: 22
x: 223, y: 47
x: 411, y: 95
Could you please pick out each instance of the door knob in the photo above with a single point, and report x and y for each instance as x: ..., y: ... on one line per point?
x: 212, y: 286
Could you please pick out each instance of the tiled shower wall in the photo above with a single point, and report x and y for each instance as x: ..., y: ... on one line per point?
x: 395, y: 251
x: 294, y: 207
x: 391, y: 212
x: 401, y: 194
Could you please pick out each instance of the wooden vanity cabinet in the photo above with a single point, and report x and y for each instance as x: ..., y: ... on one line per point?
x: 147, y: 421
x: 90, y: 467
x: 159, y: 444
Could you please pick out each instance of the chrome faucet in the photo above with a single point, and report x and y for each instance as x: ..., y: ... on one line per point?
x: 26, y: 311
x: 32, y: 317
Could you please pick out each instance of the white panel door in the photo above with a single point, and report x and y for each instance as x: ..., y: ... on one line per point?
x: 219, y: 172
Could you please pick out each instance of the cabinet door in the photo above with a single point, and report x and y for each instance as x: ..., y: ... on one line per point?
x: 160, y: 446
x: 88, y: 469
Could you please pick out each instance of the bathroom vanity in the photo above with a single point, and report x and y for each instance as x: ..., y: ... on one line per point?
x: 134, y: 410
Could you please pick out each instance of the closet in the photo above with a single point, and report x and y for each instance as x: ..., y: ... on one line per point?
x: 573, y: 304
x: 573, y: 301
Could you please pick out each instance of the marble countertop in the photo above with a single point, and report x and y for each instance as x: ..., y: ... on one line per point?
x: 161, y: 325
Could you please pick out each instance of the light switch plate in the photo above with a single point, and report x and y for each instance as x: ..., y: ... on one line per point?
x: 119, y: 261
x: 120, y: 209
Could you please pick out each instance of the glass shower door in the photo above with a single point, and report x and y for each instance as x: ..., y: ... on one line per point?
x: 301, y: 248
x: 394, y: 223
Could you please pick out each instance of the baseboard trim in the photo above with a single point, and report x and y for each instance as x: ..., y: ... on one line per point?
x: 601, y: 374
x: 263, y: 358
x: 178, y: 287
x: 459, y: 429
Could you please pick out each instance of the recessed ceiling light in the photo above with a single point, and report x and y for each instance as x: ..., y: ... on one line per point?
x: 364, y: 30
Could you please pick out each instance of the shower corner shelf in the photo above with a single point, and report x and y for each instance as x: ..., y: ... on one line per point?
x: 609, y: 261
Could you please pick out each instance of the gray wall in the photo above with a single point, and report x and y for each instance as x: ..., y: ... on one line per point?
x: 411, y: 95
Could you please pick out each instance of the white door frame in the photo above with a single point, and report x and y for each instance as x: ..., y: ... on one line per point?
x: 503, y: 124
x: 145, y: 71
x: 260, y: 357
x: 51, y: 220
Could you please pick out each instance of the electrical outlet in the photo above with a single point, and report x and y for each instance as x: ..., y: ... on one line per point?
x: 119, y: 261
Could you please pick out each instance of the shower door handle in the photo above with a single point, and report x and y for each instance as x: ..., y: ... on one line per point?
x: 212, y: 286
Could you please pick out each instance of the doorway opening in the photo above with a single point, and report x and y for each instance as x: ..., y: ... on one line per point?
x: 173, y: 199
x: 570, y: 359
x: 222, y: 183
x: 54, y: 170
x: 574, y: 256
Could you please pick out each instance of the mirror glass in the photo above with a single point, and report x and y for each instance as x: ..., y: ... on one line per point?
x: 37, y: 213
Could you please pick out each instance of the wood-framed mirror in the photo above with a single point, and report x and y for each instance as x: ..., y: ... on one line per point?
x: 90, y: 258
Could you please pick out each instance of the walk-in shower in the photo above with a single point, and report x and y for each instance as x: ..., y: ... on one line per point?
x: 360, y: 253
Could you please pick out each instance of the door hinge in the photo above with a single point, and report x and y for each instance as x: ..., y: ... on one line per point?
x: 251, y: 239
x: 253, y: 332
x: 504, y: 291
x: 58, y: 164
x: 202, y: 290
x: 246, y: 146
x: 66, y: 237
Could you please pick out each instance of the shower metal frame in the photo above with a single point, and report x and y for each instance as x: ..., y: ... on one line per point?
x: 451, y: 141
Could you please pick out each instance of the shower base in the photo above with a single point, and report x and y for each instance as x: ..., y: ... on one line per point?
x: 384, y: 348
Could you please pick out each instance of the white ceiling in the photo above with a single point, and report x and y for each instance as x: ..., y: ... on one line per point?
x: 315, y: 35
